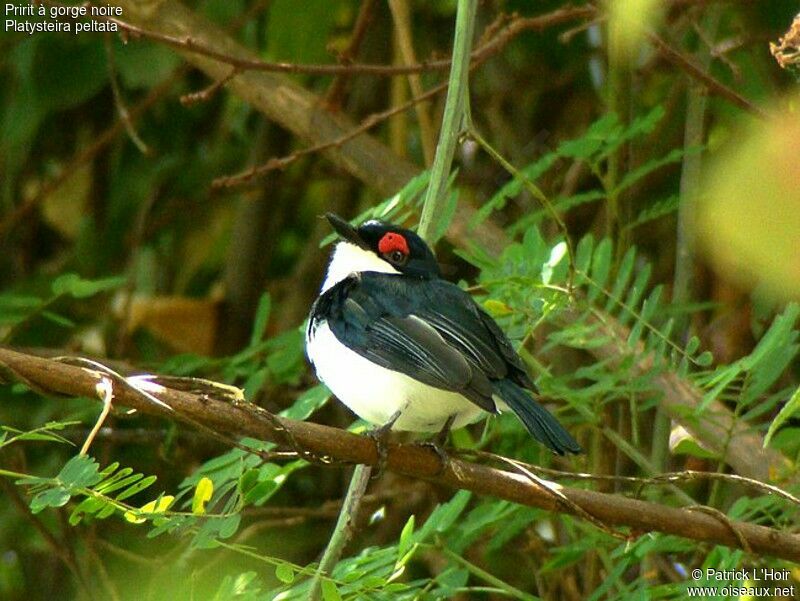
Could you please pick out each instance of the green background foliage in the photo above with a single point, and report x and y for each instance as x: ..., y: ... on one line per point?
x: 115, y: 244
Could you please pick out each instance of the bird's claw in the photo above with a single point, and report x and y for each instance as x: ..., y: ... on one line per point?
x: 379, y: 435
x: 437, y: 447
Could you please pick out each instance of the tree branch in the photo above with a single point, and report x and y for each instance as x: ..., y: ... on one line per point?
x: 487, y: 50
x: 410, y: 460
x: 697, y: 73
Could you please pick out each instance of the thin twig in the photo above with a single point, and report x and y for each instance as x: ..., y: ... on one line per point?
x: 335, y: 94
x: 105, y: 388
x: 283, y: 162
x: 553, y: 489
x: 537, y: 193
x: 431, y: 215
x: 517, y: 26
x: 206, y: 93
x: 122, y: 109
x: 343, y: 531
x: 724, y: 519
x: 713, y: 85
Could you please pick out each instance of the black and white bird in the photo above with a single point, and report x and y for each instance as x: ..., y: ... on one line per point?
x: 394, y: 341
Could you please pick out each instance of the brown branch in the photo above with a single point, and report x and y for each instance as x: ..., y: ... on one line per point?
x: 283, y: 162
x: 410, y: 460
x: 336, y: 91
x: 480, y: 54
x: 401, y: 14
x: 206, y: 93
x: 119, y: 102
x: 714, y: 86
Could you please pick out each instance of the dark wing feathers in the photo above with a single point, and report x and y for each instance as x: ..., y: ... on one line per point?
x: 539, y: 422
x: 426, y: 330
x: 380, y: 327
x: 473, y: 344
x: 517, y: 371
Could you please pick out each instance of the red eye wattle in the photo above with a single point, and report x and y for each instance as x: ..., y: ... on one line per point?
x: 392, y: 242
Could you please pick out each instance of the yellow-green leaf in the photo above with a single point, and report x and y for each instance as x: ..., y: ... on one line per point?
x: 159, y: 505
x: 496, y: 308
x: 202, y: 495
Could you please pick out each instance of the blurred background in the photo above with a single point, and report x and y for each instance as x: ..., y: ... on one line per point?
x: 664, y: 127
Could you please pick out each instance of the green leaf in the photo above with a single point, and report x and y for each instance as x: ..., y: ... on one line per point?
x: 406, y: 539
x: 80, y: 472
x: 704, y: 359
x: 244, y: 586
x: 593, y: 140
x: 228, y: 525
x: 640, y: 126
x: 512, y: 189
x: 285, y: 573
x: 262, y: 317
x: 138, y: 487
x: 444, y: 516
x: 143, y: 65
x: 248, y: 480
x: 633, y: 176
x: 53, y: 497
x: 624, y: 273
x: 89, y: 506
x: 311, y: 400
x: 681, y: 442
x: 59, y: 320
x: 601, y: 268
x: 788, y: 410
x: 329, y: 591
x: 583, y: 254
x: 71, y: 284
x: 558, y: 252
x: 658, y: 209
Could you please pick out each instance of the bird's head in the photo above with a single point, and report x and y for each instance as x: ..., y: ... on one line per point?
x: 380, y: 246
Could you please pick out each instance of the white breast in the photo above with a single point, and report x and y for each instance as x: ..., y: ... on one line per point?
x: 375, y: 393
x: 348, y: 259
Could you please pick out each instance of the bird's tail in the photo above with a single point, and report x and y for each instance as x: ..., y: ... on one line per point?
x: 539, y: 422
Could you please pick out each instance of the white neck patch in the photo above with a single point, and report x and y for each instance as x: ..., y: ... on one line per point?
x: 348, y: 259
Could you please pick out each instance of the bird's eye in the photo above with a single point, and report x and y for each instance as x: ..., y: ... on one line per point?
x: 398, y: 257
x: 394, y: 248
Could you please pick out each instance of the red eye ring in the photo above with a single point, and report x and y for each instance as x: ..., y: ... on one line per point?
x: 391, y: 242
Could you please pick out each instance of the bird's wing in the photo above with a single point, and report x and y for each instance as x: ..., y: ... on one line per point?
x: 456, y: 318
x: 435, y: 329
x: 464, y: 324
x: 378, y: 325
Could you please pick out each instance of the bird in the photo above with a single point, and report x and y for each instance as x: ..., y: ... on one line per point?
x: 407, y: 350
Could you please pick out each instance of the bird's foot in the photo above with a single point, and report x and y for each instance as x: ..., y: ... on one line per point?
x: 438, y: 443
x: 379, y: 435
x: 435, y: 446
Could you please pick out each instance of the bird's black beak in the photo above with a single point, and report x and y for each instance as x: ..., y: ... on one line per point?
x: 345, y: 230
